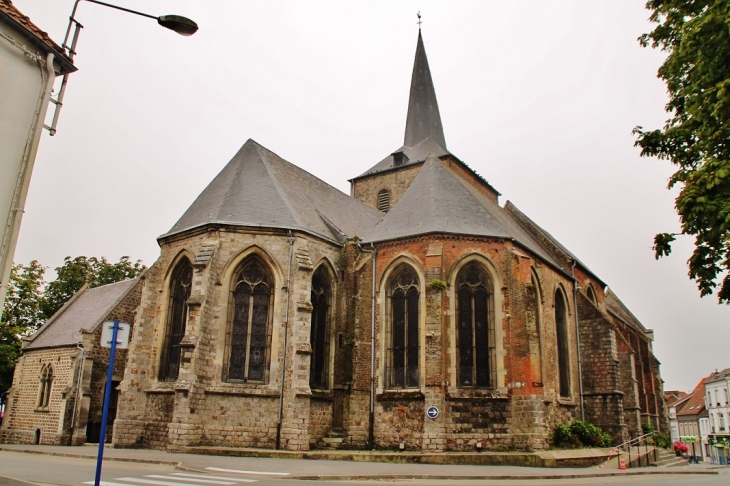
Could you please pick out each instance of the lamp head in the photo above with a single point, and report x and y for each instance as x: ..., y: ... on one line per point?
x: 181, y: 25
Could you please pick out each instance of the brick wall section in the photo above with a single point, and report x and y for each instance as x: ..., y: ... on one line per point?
x: 603, y: 396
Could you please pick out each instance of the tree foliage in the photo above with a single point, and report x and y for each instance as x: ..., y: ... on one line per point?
x: 72, y: 275
x: 30, y: 301
x: 21, y: 315
x: 695, y: 34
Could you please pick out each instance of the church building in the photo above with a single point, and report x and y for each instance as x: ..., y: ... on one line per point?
x: 416, y: 313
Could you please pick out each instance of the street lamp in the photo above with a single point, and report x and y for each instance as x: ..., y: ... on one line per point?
x: 181, y: 25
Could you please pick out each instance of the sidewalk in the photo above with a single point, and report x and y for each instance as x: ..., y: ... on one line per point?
x: 354, y: 465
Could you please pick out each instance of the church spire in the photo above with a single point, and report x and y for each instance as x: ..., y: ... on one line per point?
x: 423, y: 119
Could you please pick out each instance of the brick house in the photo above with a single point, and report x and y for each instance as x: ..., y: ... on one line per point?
x: 58, y: 385
x: 417, y: 313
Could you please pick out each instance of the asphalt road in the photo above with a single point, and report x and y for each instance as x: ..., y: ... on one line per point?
x: 54, y: 470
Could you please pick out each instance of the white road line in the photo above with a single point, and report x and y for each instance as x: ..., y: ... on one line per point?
x: 160, y: 483
x: 255, y: 473
x: 109, y: 483
x: 205, y: 476
x: 198, y: 479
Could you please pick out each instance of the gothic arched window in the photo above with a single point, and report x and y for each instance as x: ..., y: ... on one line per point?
x: 248, y: 339
x: 177, y: 314
x: 475, y: 328
x: 561, y: 331
x: 46, y: 382
x: 320, y: 332
x: 403, y: 339
x: 591, y: 294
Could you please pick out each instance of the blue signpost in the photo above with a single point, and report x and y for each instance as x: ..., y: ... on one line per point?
x: 107, y: 396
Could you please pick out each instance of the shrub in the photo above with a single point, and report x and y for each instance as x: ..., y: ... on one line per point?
x: 438, y: 285
x: 580, y: 434
x: 662, y: 441
x: 648, y: 427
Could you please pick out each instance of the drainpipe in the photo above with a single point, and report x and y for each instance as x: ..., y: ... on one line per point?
x: 286, y: 332
x: 577, y: 339
x: 371, y: 415
x: 17, y: 208
x: 78, y: 385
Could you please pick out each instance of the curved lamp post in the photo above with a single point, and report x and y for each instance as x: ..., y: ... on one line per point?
x: 181, y: 25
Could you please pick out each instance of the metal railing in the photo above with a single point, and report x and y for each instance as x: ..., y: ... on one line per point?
x: 633, y: 448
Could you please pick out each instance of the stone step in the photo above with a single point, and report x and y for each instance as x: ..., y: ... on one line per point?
x: 330, y: 442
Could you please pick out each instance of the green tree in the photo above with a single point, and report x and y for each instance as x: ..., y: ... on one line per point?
x: 72, y: 275
x: 695, y: 34
x: 21, y: 315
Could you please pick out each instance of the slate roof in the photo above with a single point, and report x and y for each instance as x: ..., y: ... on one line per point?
x: 10, y: 13
x: 87, y: 309
x: 424, y: 133
x: 259, y: 188
x: 619, y: 309
x: 719, y: 376
x: 437, y: 201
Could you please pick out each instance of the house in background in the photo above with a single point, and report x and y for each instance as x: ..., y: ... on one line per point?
x: 58, y: 386
x: 716, y: 391
x: 30, y: 61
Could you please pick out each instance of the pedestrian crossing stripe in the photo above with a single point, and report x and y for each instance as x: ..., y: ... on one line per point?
x: 176, y: 479
x: 253, y: 473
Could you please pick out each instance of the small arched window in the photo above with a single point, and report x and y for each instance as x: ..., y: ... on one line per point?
x: 475, y: 339
x: 591, y: 294
x: 384, y: 200
x: 403, y: 339
x: 320, y: 332
x: 561, y: 331
x: 177, y: 315
x: 46, y: 383
x: 248, y: 339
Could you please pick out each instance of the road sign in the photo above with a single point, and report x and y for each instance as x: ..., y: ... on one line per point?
x: 432, y: 412
x: 122, y: 335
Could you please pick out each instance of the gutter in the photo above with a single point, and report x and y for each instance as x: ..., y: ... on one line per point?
x: 283, y: 359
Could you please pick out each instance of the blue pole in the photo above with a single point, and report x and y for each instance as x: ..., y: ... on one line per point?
x: 107, y: 396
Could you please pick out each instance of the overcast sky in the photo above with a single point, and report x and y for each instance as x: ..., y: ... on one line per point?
x: 538, y: 97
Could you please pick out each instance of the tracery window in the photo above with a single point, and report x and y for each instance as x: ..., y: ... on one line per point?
x: 384, y: 200
x: 403, y: 339
x: 177, y: 314
x: 320, y: 332
x: 561, y: 325
x: 46, y: 383
x: 475, y: 328
x: 248, y: 337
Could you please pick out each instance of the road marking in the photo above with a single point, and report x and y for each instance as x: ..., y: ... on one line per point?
x: 173, y: 482
x: 108, y: 483
x: 256, y: 473
x: 240, y: 480
x: 198, y: 479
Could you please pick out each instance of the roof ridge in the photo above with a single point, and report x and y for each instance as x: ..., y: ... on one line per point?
x: 282, y: 193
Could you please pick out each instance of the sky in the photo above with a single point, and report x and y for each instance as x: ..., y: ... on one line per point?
x: 538, y: 97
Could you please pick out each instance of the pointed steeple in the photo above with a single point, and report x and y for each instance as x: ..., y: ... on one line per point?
x: 423, y: 119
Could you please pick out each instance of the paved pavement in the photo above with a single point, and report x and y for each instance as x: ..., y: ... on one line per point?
x: 356, y: 468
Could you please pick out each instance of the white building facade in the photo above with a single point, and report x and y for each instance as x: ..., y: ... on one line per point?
x: 718, y: 409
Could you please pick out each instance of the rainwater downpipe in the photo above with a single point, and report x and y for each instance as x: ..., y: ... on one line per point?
x: 371, y: 414
x: 286, y: 332
x: 577, y: 339
x: 17, y: 208
x: 78, y: 384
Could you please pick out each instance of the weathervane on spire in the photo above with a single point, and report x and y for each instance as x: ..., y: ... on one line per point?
x: 419, y: 20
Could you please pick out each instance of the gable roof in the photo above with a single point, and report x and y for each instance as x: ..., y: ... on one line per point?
x: 10, y: 14
x: 259, y: 188
x: 694, y: 402
x: 437, y: 201
x: 87, y: 309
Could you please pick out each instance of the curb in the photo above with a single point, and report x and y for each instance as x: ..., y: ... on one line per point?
x: 392, y: 477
